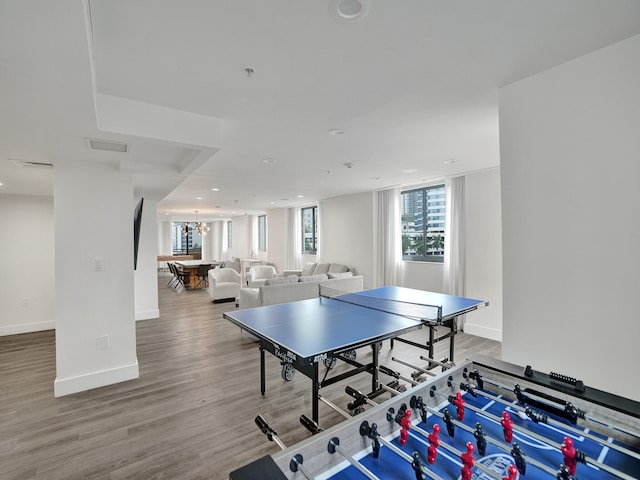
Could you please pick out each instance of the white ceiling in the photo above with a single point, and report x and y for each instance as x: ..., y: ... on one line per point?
x: 412, y: 84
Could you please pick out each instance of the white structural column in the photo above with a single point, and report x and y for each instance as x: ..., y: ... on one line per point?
x: 94, y: 312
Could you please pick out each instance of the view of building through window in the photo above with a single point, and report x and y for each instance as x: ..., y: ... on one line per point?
x: 185, y: 239
x: 310, y: 230
x: 422, y: 222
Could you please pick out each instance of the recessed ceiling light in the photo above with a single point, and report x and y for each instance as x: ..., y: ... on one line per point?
x: 451, y: 161
x: 336, y: 131
x: 270, y: 203
x: 268, y: 160
x: 410, y: 170
x: 215, y: 189
x: 300, y: 196
x: 346, y: 11
x: 375, y: 178
x: 198, y: 198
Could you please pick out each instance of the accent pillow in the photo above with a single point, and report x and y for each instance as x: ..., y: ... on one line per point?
x: 338, y: 268
x: 321, y: 268
x: 340, y: 275
x: 308, y: 269
x: 314, y: 278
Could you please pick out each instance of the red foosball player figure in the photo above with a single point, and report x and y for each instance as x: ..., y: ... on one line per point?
x: 459, y: 403
x: 512, y: 473
x: 569, y: 454
x: 434, y: 441
x: 507, y: 427
x: 467, y: 462
x: 405, y: 423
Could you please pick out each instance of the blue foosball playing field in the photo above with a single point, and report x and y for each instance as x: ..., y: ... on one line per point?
x: 389, y: 465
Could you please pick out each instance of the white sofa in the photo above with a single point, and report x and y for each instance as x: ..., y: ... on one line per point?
x: 224, y: 284
x: 291, y: 289
x: 320, y: 268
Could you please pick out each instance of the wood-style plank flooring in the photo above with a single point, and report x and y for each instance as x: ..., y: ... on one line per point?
x: 191, y: 413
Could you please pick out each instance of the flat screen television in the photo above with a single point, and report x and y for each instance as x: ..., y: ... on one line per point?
x: 137, y: 222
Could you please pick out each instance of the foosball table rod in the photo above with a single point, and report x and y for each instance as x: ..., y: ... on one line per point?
x: 444, y: 365
x: 333, y: 406
x: 581, y: 414
x: 458, y: 453
x: 295, y: 465
x: 418, y: 369
x: 540, y: 438
x: 540, y: 418
x: 371, y: 432
x: 334, y: 446
x: 417, y: 403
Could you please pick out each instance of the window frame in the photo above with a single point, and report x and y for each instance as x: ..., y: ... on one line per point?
x: 229, y: 233
x: 426, y: 232
x: 314, y: 230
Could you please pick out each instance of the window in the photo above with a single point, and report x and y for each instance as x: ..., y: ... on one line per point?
x: 229, y: 233
x: 185, y: 239
x: 310, y: 230
x: 422, y: 224
x: 262, y: 233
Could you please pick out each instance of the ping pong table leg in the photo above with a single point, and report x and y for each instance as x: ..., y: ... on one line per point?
x: 454, y: 330
x: 432, y: 330
x: 374, y: 373
x: 315, y: 393
x: 262, y: 374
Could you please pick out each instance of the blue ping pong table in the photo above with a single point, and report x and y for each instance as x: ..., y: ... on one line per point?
x: 305, y: 333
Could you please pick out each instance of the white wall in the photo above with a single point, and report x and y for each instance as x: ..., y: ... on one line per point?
x: 346, y: 233
x: 26, y: 243
x: 95, y: 321
x: 240, y: 238
x: 146, y: 273
x: 570, y: 148
x: 277, y: 242
x: 484, y: 252
x: 423, y: 276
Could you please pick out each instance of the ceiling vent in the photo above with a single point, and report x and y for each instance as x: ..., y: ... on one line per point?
x: 108, y: 145
x: 28, y: 164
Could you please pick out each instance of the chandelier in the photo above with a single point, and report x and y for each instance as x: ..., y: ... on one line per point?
x: 200, y: 227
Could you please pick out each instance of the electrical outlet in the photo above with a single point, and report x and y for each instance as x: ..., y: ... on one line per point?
x: 98, y: 264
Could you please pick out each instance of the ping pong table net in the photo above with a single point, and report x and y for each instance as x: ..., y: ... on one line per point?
x: 428, y: 314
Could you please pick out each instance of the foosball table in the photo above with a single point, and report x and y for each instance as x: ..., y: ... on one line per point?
x: 480, y: 419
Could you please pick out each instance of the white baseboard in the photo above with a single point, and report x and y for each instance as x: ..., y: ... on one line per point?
x: 81, y: 383
x: 27, y: 328
x: 147, y: 314
x: 482, y: 331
